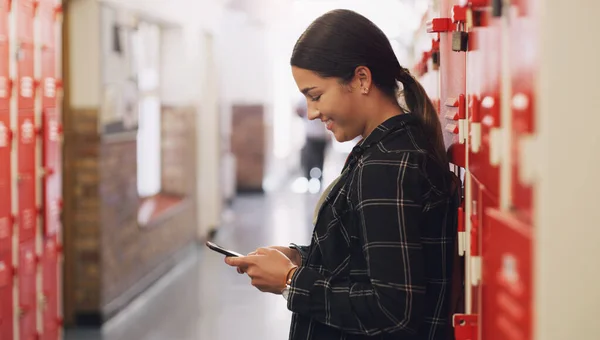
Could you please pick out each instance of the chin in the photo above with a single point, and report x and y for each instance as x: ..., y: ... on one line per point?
x: 342, y: 138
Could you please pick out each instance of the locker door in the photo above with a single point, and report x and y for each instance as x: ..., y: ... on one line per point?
x: 6, y: 221
x: 484, y: 72
x: 27, y: 177
x: 4, y: 50
x: 46, y: 14
x: 48, y: 78
x: 26, y: 82
x: 50, y: 289
x: 27, y: 290
x: 51, y: 160
x: 507, y: 278
x: 523, y: 62
x: 25, y: 14
x: 6, y: 297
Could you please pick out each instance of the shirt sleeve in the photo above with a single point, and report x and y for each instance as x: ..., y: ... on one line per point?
x: 302, y: 250
x: 388, y: 211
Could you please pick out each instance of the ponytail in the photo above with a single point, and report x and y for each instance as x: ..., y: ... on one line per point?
x: 418, y: 103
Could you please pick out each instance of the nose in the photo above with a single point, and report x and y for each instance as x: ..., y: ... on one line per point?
x: 313, y: 113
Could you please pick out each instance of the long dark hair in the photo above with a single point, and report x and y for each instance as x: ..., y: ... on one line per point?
x: 336, y: 43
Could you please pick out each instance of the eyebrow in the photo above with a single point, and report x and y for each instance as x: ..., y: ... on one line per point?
x: 306, y: 89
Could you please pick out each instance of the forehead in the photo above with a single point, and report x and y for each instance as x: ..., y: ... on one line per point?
x: 306, y: 79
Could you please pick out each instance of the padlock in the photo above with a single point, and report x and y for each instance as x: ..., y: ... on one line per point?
x: 435, y: 60
x: 497, y: 8
x: 460, y: 41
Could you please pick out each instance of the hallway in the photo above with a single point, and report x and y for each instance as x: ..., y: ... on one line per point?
x: 202, y: 298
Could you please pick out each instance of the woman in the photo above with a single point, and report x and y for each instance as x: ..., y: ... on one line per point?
x: 380, y: 259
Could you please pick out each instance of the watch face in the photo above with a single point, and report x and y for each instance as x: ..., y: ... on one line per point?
x: 286, y: 292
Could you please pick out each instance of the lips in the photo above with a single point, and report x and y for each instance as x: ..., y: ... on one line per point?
x: 329, y: 124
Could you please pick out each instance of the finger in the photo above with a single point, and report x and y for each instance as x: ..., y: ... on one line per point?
x: 240, y: 270
x: 238, y: 261
x: 264, y: 251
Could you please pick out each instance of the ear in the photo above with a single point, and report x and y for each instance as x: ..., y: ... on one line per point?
x: 363, y: 79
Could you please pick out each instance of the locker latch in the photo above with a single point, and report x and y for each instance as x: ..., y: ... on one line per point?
x: 465, y: 326
x: 440, y: 25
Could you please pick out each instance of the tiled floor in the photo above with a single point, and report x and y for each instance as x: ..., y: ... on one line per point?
x: 203, y: 299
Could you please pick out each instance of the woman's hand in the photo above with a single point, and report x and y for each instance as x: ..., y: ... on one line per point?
x: 267, y: 267
x: 290, y: 253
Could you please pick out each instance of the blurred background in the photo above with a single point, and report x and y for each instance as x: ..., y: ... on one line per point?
x: 165, y: 123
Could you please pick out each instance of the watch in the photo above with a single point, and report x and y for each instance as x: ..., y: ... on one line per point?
x: 286, y: 292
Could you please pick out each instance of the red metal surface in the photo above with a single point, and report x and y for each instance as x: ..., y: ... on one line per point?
x: 6, y: 296
x: 507, y: 278
x: 51, y: 162
x: 439, y: 25
x: 484, y: 71
x: 26, y: 139
x: 523, y: 60
x: 25, y: 14
x: 26, y: 84
x: 26, y: 274
x: 47, y: 18
x: 48, y: 84
x: 452, y: 78
x: 5, y: 87
x: 27, y: 207
x: 50, y: 286
x: 6, y: 220
x: 465, y: 326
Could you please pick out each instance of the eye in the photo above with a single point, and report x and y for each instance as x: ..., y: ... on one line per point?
x: 315, y: 99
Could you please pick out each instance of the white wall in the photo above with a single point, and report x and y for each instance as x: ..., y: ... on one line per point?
x: 567, y: 251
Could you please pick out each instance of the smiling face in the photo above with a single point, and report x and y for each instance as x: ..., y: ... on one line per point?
x: 336, y: 105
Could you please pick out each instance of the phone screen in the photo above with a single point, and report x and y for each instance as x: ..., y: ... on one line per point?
x: 221, y: 250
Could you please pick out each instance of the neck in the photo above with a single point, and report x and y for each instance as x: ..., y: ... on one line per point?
x: 380, y: 111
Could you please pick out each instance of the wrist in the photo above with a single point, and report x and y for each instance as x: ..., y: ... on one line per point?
x: 289, y: 274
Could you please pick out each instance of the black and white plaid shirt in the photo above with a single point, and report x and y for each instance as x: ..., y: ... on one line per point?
x: 380, y: 259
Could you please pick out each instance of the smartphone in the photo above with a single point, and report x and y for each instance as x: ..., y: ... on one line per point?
x: 222, y: 250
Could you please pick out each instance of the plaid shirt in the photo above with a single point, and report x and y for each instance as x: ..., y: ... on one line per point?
x: 380, y: 259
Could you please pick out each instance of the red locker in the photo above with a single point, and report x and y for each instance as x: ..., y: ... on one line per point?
x: 484, y: 72
x: 27, y: 208
x: 6, y: 297
x: 26, y: 178
x: 50, y: 289
x: 48, y: 84
x: 26, y: 82
x: 5, y: 87
x: 452, y: 70
x: 523, y: 62
x: 47, y: 17
x: 26, y: 275
x: 6, y: 220
x: 507, y: 288
x: 27, y: 137
x: 25, y: 15
x: 51, y: 161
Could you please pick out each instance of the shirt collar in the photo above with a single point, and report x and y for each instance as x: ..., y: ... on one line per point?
x: 392, y: 124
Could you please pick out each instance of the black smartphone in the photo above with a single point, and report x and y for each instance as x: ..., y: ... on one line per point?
x: 222, y: 250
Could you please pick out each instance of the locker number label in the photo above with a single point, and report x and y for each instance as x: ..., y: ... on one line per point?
x: 27, y: 132
x: 50, y: 87
x: 27, y: 87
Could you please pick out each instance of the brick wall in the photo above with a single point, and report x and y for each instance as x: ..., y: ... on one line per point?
x: 248, y: 146
x: 81, y: 213
x: 109, y: 253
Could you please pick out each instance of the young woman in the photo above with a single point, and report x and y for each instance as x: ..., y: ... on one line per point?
x: 380, y: 260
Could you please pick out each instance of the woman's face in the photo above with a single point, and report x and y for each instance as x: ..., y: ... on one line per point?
x: 336, y: 105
